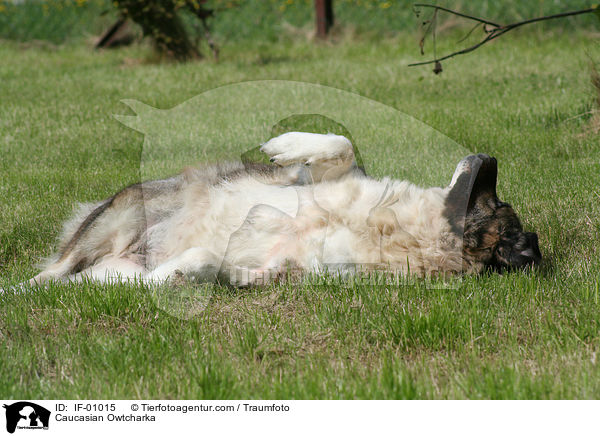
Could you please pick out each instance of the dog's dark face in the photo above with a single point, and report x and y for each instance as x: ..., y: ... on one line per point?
x: 493, y: 237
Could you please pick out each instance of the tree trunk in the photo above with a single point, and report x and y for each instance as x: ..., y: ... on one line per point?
x: 160, y: 21
x: 324, y: 15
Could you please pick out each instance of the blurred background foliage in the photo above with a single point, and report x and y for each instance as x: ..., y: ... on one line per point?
x: 59, y: 21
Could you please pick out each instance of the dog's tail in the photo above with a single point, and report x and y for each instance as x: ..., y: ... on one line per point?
x: 110, y: 227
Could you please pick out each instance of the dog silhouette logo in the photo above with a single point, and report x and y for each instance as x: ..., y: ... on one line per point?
x: 26, y: 415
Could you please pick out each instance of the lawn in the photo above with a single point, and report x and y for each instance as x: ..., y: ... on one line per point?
x: 524, y: 99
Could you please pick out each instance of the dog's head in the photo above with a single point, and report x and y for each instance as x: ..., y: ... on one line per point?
x: 493, y: 237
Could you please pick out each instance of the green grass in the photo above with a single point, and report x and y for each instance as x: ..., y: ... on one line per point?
x: 520, y: 335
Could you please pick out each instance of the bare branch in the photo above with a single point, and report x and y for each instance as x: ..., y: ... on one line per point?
x: 469, y: 32
x: 460, y: 14
x: 496, y: 31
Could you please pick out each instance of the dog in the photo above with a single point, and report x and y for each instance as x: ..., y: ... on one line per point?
x: 312, y: 209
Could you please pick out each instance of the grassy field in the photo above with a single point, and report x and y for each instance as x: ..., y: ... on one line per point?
x: 525, y: 100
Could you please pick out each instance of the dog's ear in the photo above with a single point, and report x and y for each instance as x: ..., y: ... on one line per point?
x: 473, y: 181
x: 475, y: 176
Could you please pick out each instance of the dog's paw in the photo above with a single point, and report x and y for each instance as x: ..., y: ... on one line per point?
x: 307, y: 148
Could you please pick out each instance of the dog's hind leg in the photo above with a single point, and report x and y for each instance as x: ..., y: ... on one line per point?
x: 57, y: 270
x: 203, y: 266
x: 197, y: 264
x: 111, y: 270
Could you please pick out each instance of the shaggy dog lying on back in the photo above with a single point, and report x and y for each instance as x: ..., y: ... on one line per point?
x: 314, y: 210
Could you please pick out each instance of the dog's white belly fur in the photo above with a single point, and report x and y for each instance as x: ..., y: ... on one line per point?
x: 250, y: 225
x: 210, y: 220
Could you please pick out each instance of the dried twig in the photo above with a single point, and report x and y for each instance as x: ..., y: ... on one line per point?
x: 493, y: 30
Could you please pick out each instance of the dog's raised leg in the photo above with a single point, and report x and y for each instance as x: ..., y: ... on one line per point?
x: 327, y: 157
